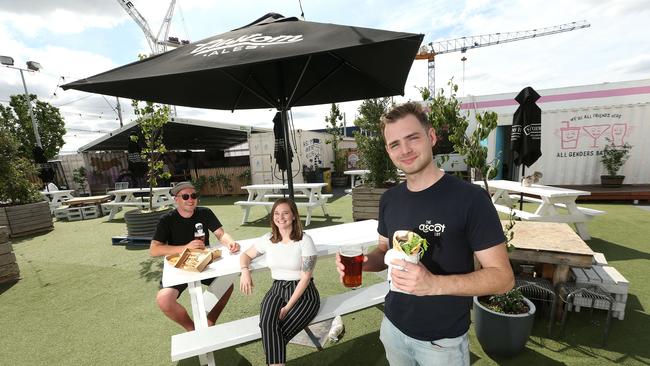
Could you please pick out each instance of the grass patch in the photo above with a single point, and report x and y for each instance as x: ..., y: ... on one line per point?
x: 84, y: 301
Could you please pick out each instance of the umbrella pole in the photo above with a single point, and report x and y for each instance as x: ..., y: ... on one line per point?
x: 285, y: 126
x: 521, y: 194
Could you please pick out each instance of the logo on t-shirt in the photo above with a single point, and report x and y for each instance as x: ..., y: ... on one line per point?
x: 437, y: 229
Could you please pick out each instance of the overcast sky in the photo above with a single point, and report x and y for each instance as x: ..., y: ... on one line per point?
x: 73, y: 39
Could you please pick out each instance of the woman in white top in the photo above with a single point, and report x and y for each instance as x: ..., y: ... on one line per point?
x: 292, y: 301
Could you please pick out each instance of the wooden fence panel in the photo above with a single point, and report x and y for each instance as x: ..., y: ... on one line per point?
x: 222, y: 181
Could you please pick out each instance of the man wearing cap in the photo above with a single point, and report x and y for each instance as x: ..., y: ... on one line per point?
x: 175, y: 232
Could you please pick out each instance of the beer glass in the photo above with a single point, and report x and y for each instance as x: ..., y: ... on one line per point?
x: 352, y: 259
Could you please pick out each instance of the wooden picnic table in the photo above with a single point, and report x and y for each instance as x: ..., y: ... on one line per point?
x: 550, y: 243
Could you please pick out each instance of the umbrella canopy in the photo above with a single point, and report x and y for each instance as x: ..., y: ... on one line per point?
x: 526, y: 132
x: 274, y: 62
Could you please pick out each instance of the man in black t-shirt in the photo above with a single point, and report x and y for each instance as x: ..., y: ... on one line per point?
x: 428, y: 321
x: 180, y: 229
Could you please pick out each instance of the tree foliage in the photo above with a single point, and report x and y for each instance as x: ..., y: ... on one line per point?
x: 371, y: 144
x: 16, y: 120
x: 152, y: 118
x: 15, y: 170
x: 335, y: 127
x: 445, y: 116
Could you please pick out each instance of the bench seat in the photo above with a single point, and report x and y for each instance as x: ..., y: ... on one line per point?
x: 125, y: 204
x: 517, y: 213
x: 300, y: 195
x: 202, y: 341
x: 584, y: 210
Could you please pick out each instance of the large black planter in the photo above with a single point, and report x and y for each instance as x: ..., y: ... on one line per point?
x: 502, y: 334
x: 143, y: 224
x: 612, y: 181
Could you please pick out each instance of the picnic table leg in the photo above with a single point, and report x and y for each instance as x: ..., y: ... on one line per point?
x: 200, y: 316
x: 581, y: 228
x: 114, y: 210
x: 245, y: 219
x: 216, y: 289
x: 308, y: 220
x: 322, y: 206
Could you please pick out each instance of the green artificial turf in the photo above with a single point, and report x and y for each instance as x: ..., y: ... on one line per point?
x: 83, y: 301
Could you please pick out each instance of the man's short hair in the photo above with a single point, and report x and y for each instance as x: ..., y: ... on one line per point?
x: 403, y: 110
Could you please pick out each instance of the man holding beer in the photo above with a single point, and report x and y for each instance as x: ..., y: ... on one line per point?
x: 184, y: 228
x: 426, y: 322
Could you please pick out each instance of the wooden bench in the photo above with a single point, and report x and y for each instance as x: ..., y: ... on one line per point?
x: 584, y: 210
x: 246, y: 206
x: 225, y: 335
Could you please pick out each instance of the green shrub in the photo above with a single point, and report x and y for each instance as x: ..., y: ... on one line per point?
x: 15, y: 170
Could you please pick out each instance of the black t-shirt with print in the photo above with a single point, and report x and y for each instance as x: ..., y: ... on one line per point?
x: 174, y: 229
x: 457, y: 218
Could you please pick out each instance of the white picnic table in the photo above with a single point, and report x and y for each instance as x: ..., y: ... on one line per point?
x: 127, y: 198
x: 263, y: 195
x: 227, y: 269
x: 354, y: 176
x: 555, y: 204
x: 57, y: 197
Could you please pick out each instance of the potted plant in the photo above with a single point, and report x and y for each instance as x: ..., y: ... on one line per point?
x: 312, y: 173
x: 151, y: 120
x: 503, y: 322
x: 372, y: 157
x: 613, y: 158
x: 22, y: 208
x: 445, y: 117
x: 335, y: 128
x: 79, y: 177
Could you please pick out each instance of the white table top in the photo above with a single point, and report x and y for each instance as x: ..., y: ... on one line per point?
x: 356, y: 172
x: 327, y: 241
x: 284, y: 186
x: 536, y: 189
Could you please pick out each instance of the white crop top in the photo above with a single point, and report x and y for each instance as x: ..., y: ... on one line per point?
x: 285, y: 259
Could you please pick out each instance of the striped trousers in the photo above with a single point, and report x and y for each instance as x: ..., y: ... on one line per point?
x: 277, y: 333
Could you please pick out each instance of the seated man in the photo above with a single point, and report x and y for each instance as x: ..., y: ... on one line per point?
x: 174, y: 233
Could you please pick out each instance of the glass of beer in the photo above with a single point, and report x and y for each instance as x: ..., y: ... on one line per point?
x: 352, y: 259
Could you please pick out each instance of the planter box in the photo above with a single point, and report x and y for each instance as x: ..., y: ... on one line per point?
x: 503, y: 335
x: 9, y: 271
x: 365, y: 202
x: 26, y: 219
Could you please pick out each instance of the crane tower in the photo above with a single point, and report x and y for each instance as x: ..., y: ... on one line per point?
x: 159, y: 42
x: 429, y: 51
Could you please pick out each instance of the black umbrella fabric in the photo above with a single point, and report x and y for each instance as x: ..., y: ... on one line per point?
x: 526, y: 134
x: 274, y: 62
x: 279, y: 151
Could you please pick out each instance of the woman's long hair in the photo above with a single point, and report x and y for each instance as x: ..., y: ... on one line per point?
x: 296, y: 225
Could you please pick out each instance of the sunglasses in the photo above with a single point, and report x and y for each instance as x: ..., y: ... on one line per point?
x: 186, y: 196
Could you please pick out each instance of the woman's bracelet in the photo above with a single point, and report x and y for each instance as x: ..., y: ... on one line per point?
x: 247, y: 268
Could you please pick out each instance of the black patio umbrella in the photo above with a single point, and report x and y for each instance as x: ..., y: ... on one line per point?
x: 526, y: 134
x: 274, y: 62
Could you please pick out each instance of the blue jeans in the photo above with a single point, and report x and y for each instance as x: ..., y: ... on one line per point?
x: 402, y: 350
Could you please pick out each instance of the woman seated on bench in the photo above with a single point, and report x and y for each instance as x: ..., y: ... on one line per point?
x: 293, y: 300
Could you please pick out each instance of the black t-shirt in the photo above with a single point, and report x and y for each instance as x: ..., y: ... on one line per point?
x: 174, y: 229
x: 457, y: 218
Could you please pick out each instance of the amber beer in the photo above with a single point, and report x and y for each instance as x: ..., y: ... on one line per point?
x: 352, y: 259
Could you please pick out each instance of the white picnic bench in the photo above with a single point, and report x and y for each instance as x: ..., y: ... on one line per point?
x: 261, y: 195
x: 555, y: 204
x: 204, y: 340
x: 127, y: 198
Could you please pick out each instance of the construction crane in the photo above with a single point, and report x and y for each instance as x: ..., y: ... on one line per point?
x: 429, y: 51
x: 161, y: 41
